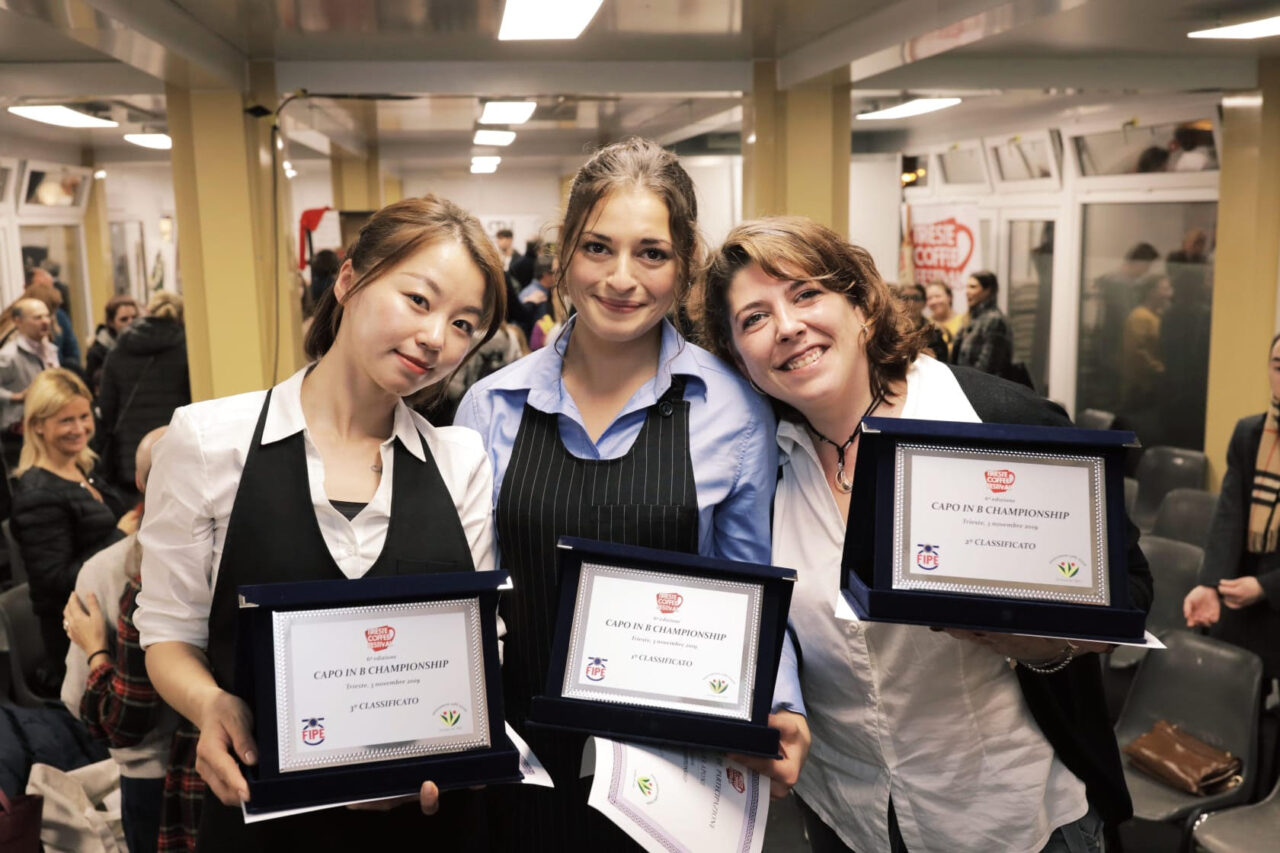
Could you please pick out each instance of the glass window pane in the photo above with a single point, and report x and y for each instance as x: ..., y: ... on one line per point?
x: 1031, y: 294
x: 962, y: 166
x: 1145, y: 298
x: 54, y: 188
x: 915, y: 170
x: 1186, y: 147
x: 1023, y: 160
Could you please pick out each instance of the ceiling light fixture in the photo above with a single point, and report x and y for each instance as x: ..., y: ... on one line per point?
x: 1260, y: 29
x: 484, y: 165
x: 527, y: 20
x: 158, y: 141
x: 507, y: 112
x: 914, y: 107
x: 500, y: 138
x: 100, y: 174
x: 61, y: 116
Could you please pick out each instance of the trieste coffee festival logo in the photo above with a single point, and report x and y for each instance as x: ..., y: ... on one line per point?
x: 669, y: 602
x: 1000, y: 480
x: 380, y: 638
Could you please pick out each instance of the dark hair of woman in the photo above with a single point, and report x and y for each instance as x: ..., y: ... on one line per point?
x: 990, y: 284
x: 394, y: 234
x: 634, y: 164
x: 791, y: 248
x: 115, y: 303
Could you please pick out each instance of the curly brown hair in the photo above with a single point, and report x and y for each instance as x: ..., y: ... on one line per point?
x: 794, y: 247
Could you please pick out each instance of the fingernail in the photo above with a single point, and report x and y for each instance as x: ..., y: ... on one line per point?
x: 249, y: 757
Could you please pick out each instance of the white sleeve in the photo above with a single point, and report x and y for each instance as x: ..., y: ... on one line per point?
x: 177, y: 541
x: 476, y: 510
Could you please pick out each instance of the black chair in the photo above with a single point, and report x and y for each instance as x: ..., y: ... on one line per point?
x: 1209, y: 688
x: 1161, y: 470
x: 1241, y: 830
x: 1095, y: 419
x: 1186, y: 515
x: 17, y: 567
x: 26, y: 645
x: 1175, y: 568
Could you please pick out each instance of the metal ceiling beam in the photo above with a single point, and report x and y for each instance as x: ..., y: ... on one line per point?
x: 75, y: 80
x: 520, y: 79
x: 1097, y: 73
x: 909, y: 31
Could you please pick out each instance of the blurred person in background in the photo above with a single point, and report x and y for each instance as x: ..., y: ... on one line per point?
x: 121, y: 310
x: 27, y: 352
x: 938, y: 299
x: 986, y: 341
x: 40, y: 286
x: 911, y: 297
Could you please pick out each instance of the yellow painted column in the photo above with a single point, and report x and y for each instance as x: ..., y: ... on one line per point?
x: 392, y: 189
x: 217, y: 245
x: 1247, y: 262
x: 796, y: 148
x: 97, y: 243
x: 357, y: 178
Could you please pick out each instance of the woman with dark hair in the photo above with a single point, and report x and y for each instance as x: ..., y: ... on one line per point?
x: 617, y: 398
x: 1241, y: 566
x: 922, y: 740
x: 327, y: 476
x: 121, y: 310
x: 986, y: 342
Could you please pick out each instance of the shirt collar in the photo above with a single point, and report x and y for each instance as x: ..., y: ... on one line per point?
x: 285, y: 418
x: 45, y: 347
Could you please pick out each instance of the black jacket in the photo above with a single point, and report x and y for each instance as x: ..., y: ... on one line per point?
x: 1069, y: 705
x: 59, y: 525
x: 1256, y: 627
x: 985, y: 342
x: 103, y: 342
x: 144, y: 379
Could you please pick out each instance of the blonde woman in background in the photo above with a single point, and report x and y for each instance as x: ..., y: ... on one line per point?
x: 144, y: 379
x: 63, y: 512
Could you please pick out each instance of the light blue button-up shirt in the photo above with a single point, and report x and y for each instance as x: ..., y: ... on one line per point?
x: 731, y: 443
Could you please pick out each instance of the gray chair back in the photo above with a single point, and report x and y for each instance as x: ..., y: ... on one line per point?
x: 1175, y: 568
x: 17, y: 568
x: 1186, y: 515
x: 1095, y: 419
x: 1160, y: 471
x: 1210, y: 689
x: 26, y: 644
x: 1243, y: 830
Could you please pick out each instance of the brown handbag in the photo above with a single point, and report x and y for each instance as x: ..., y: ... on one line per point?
x: 1184, y: 762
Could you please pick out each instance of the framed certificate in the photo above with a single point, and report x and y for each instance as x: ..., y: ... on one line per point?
x: 664, y: 647
x: 1016, y: 529
x: 366, y: 688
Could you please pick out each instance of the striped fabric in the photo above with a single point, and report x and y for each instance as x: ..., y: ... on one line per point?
x: 1264, y: 521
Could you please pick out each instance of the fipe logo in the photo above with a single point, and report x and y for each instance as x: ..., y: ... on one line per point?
x: 669, y: 602
x: 313, y: 731
x: 1000, y: 480
x: 380, y: 638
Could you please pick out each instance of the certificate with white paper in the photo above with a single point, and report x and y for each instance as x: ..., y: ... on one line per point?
x: 1001, y: 523
x: 376, y: 683
x: 680, y: 800
x: 664, y: 641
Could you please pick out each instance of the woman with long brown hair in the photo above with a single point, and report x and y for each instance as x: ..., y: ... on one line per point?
x: 329, y: 475
x: 922, y: 740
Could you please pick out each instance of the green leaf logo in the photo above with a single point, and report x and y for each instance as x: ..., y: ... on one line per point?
x: 450, y: 718
x: 646, y: 785
x: 718, y: 685
x: 1069, y: 568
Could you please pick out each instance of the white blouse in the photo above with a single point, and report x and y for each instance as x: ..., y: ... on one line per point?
x: 196, y: 472
x: 937, y: 723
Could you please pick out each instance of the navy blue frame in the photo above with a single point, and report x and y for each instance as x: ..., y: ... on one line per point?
x: 867, y: 583
x: 271, y: 790
x: 618, y: 721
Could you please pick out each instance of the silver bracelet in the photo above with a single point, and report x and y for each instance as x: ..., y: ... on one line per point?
x: 1068, y: 655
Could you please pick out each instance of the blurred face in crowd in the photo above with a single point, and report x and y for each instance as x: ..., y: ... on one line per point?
x: 504, y: 245
x: 410, y: 327
x: 798, y: 341
x: 1161, y: 296
x: 939, y: 301
x: 67, y: 432
x: 31, y: 316
x: 1273, y: 371
x: 975, y: 292
x: 622, y: 278
x: 125, y: 315
x: 912, y: 302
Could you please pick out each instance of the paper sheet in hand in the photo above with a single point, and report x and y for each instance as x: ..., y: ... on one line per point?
x: 680, y: 800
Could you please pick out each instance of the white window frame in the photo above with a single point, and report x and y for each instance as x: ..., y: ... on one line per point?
x: 947, y: 189
x: 71, y: 214
x: 1050, y: 184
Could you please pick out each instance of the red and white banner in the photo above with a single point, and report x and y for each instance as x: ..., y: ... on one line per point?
x: 945, y: 246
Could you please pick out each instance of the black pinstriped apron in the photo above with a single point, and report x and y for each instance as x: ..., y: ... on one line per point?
x: 273, y: 536
x: 646, y: 497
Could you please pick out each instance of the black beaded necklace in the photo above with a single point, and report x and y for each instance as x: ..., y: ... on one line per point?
x: 845, y: 484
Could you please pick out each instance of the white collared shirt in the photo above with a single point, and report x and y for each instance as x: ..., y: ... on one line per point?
x: 44, y: 349
x: 937, y: 723
x: 193, y: 483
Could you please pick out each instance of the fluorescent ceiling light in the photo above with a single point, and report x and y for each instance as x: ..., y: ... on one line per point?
x: 61, y: 116
x: 507, y: 112
x: 546, y: 19
x: 915, y: 107
x: 484, y: 165
x: 100, y: 174
x: 1261, y: 29
x: 494, y: 137
x: 159, y: 141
